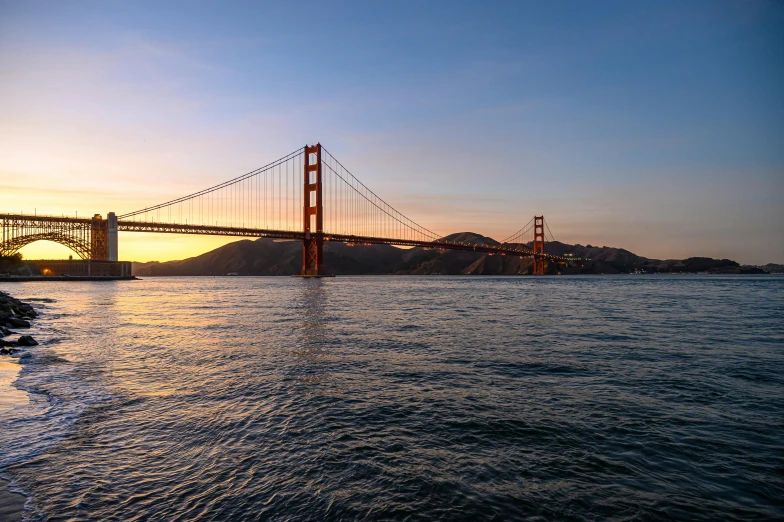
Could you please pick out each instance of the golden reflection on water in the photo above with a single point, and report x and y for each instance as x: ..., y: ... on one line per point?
x: 164, y: 338
x: 314, y: 333
x: 312, y: 301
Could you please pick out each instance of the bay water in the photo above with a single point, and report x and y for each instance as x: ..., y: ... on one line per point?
x: 402, y: 398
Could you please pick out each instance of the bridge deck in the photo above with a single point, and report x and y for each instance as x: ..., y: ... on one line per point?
x: 168, y: 228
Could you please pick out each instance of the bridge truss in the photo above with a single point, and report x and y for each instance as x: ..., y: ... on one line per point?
x: 88, y: 238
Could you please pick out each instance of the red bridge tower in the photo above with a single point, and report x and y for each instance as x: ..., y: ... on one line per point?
x: 313, y: 243
x: 538, y: 245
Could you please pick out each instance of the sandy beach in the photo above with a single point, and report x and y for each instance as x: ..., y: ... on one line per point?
x: 10, y: 397
x: 11, y: 504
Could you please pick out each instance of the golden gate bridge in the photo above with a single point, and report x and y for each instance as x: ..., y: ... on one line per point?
x: 307, y: 195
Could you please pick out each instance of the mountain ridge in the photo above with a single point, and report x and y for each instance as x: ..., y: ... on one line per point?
x: 266, y: 257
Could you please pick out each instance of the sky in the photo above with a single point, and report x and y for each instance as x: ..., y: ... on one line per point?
x: 653, y: 126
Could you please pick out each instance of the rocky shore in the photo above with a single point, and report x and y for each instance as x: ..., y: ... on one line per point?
x: 14, y: 315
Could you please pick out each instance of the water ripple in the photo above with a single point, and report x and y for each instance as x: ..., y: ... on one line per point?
x: 644, y: 398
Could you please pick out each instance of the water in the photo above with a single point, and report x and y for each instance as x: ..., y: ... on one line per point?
x: 376, y: 398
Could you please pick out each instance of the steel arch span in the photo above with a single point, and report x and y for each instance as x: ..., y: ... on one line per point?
x: 80, y: 247
x: 88, y: 238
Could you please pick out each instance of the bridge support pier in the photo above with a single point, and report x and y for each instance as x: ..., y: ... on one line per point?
x: 313, y: 244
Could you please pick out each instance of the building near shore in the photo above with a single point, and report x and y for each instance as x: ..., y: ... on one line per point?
x: 82, y: 267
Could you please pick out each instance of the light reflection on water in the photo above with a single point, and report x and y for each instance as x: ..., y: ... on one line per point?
x: 394, y: 397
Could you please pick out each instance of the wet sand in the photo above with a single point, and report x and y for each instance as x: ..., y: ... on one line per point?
x: 10, y: 397
x: 11, y: 504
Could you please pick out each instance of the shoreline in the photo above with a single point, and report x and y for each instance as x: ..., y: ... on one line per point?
x: 10, y: 397
x: 479, y: 276
x: 11, y: 503
x: 27, y: 279
x: 14, y: 315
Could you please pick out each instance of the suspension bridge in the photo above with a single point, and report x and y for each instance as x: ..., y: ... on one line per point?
x: 307, y: 195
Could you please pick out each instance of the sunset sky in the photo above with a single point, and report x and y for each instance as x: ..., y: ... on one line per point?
x: 653, y: 126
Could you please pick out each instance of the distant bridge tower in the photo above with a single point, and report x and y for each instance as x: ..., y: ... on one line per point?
x: 313, y: 242
x: 99, y: 239
x: 112, y: 254
x: 538, y: 245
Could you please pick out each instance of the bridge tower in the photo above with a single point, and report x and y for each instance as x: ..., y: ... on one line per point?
x: 538, y: 245
x: 99, y: 239
x: 112, y: 254
x: 313, y: 243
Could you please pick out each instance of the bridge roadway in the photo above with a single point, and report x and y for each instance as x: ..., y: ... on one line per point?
x: 503, y: 249
x: 37, y: 222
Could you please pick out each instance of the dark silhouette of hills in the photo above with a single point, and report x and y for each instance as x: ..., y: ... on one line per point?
x: 266, y: 257
x: 773, y: 268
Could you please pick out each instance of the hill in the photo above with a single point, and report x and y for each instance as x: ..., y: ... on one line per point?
x: 267, y: 257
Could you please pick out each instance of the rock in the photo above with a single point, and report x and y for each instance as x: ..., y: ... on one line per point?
x: 25, y: 310
x: 14, y: 314
x: 6, y: 343
x: 5, y: 351
x: 15, y: 322
x: 26, y: 340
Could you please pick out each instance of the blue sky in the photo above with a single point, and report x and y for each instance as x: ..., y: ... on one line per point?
x: 653, y: 126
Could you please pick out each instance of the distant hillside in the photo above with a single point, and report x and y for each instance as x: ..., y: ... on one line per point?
x: 773, y: 268
x: 266, y: 257
x: 607, y: 260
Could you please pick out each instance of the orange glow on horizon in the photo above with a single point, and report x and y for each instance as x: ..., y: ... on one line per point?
x: 139, y: 247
